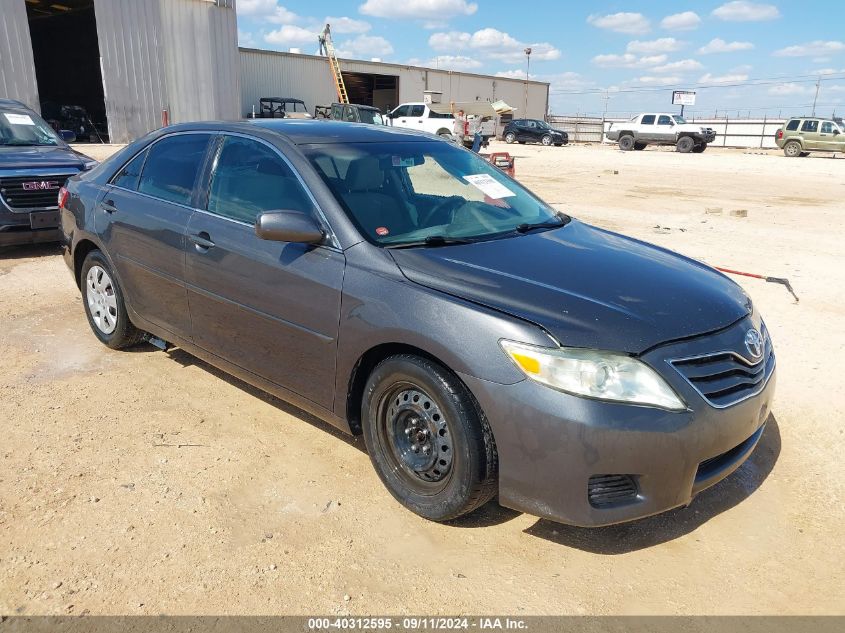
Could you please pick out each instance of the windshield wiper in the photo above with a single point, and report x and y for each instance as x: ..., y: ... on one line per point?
x: 562, y: 220
x: 433, y: 241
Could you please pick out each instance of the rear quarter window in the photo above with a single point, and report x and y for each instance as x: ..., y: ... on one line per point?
x: 792, y: 125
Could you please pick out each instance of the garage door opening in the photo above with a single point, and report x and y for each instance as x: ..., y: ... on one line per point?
x: 380, y: 91
x: 67, y: 67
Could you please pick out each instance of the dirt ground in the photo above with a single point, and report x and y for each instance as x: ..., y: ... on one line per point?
x: 143, y: 482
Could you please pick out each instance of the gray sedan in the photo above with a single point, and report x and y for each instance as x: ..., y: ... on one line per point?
x: 400, y: 287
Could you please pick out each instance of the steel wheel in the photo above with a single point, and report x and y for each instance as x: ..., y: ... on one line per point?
x: 418, y: 438
x: 102, y: 302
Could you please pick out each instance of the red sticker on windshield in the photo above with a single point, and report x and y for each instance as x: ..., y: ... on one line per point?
x: 382, y: 231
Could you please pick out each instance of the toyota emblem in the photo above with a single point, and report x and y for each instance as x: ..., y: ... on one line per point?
x: 754, y: 343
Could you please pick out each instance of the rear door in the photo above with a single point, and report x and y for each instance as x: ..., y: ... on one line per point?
x: 271, y: 308
x: 810, y: 134
x: 142, y: 218
x: 648, y: 128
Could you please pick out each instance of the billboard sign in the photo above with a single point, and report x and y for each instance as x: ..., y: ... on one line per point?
x: 683, y: 98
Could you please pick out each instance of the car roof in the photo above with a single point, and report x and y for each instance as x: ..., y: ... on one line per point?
x: 309, y: 131
x: 11, y: 103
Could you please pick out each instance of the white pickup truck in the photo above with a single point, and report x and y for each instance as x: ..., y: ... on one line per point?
x: 418, y: 116
x: 660, y: 129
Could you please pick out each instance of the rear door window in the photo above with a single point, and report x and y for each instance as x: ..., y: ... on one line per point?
x: 793, y: 125
x: 810, y: 126
x: 648, y: 119
x: 172, y: 167
x: 249, y: 178
x: 128, y: 177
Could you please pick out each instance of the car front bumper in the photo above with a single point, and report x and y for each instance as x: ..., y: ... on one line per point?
x: 550, y: 444
x: 28, y: 228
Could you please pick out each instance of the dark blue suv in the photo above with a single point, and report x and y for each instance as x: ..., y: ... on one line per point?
x: 35, y: 162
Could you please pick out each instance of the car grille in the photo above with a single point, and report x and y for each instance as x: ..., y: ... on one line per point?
x: 726, y: 378
x: 609, y: 490
x: 17, y: 197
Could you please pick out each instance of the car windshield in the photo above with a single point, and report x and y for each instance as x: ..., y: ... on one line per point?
x: 427, y: 193
x: 679, y: 119
x: 371, y: 116
x: 18, y: 127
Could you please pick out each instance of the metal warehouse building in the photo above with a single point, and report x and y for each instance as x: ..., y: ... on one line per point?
x: 128, y: 62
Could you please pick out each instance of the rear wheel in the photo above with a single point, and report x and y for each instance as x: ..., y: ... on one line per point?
x: 427, y: 438
x: 546, y: 140
x: 510, y: 137
x: 626, y: 143
x: 104, y: 304
x: 792, y: 149
x: 685, y: 144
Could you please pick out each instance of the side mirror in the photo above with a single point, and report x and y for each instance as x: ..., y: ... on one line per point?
x: 68, y: 136
x: 288, y: 226
x: 835, y: 132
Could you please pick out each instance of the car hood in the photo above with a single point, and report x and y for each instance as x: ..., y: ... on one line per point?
x: 586, y: 286
x: 54, y: 156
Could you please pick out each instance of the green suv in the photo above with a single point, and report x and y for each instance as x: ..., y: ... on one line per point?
x: 802, y: 135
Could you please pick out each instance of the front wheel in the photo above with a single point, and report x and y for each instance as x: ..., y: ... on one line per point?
x: 626, y: 143
x: 510, y: 137
x: 792, y: 149
x: 427, y: 438
x: 104, y: 304
x: 685, y: 144
x: 546, y: 140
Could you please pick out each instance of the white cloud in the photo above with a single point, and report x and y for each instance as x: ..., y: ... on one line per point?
x: 659, y: 81
x: 493, y: 44
x: 453, y: 62
x: 290, y: 34
x: 260, y: 8
x: 245, y: 39
x: 621, y: 22
x: 628, y: 61
x: 651, y: 47
x: 365, y: 46
x: 347, y: 25
x: 811, y: 49
x: 787, y: 89
x: 742, y: 11
x: 682, y: 66
x: 718, y: 45
x: 723, y: 79
x: 435, y: 11
x: 686, y: 21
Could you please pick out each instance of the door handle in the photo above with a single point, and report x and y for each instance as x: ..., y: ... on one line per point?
x: 108, y: 206
x: 202, y: 241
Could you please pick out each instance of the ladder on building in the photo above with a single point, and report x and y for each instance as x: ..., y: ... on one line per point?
x: 337, y: 75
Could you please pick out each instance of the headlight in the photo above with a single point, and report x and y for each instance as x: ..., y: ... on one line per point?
x: 594, y: 374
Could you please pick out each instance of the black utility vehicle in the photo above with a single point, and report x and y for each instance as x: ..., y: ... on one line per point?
x: 533, y: 131
x: 34, y: 164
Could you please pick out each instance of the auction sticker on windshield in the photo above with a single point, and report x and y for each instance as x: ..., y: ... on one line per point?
x: 18, y: 119
x: 489, y: 186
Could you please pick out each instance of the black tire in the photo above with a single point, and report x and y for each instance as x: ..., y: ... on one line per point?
x: 639, y: 146
x: 412, y: 405
x: 510, y: 137
x: 685, y: 144
x: 546, y: 140
x: 123, y: 334
x: 792, y: 149
x: 699, y: 149
x: 626, y: 143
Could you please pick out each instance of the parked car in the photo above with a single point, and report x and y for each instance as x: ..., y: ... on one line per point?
x: 799, y: 136
x: 281, y: 108
x: 34, y: 164
x: 351, y: 113
x: 399, y: 287
x: 420, y: 116
x: 533, y: 131
x: 661, y: 129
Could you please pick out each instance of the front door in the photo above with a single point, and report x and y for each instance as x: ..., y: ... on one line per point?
x: 830, y: 139
x: 665, y: 129
x: 271, y: 308
x: 148, y: 205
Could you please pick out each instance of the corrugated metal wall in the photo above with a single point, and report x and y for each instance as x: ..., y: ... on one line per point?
x: 17, y: 68
x: 201, y: 60
x: 131, y: 53
x: 274, y: 74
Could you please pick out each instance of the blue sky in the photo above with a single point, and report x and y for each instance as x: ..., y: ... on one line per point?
x: 758, y: 58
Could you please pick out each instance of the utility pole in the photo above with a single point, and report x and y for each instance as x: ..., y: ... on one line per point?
x: 816, y: 98
x: 527, y: 68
